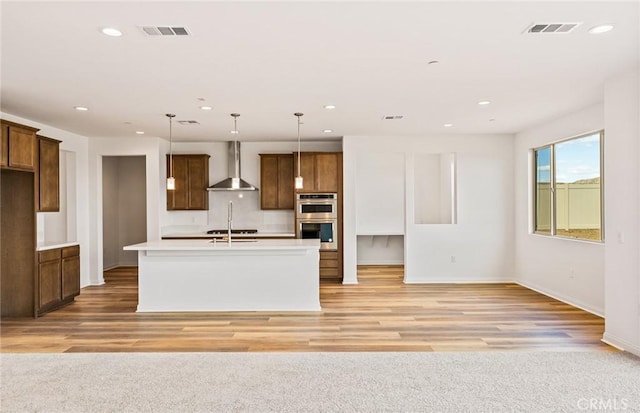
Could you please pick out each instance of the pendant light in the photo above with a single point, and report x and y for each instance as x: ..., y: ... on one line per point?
x: 235, y: 180
x: 171, y: 181
x: 298, y: 180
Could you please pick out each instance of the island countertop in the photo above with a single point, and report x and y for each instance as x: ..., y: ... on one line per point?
x: 236, y: 244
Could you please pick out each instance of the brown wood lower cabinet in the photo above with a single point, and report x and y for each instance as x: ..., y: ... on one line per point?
x: 58, y: 277
x: 330, y: 265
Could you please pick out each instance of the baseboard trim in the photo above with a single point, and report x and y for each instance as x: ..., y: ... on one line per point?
x: 451, y: 281
x: 559, y: 297
x: 621, y: 344
x: 120, y: 266
x: 383, y: 262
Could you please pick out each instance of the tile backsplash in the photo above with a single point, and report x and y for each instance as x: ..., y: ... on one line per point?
x: 246, y: 215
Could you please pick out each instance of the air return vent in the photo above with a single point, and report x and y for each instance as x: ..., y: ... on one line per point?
x: 165, y: 30
x: 392, y: 117
x: 560, y: 28
x: 188, y: 122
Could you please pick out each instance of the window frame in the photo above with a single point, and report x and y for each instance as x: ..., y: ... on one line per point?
x: 552, y: 180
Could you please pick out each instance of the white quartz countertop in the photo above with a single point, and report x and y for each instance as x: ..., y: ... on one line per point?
x: 238, y: 245
x: 43, y: 246
x: 260, y: 234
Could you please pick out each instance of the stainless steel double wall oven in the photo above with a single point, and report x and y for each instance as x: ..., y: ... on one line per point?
x: 317, y: 217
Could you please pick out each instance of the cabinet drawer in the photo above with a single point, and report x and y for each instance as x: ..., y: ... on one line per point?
x: 328, y: 264
x: 328, y: 255
x: 49, y: 255
x: 71, y: 251
x: 329, y: 273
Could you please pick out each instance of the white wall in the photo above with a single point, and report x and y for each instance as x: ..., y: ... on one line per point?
x: 110, y: 211
x: 76, y: 147
x: 570, y: 270
x: 124, y: 208
x: 481, y: 241
x: 246, y: 204
x: 153, y: 149
x: 622, y: 225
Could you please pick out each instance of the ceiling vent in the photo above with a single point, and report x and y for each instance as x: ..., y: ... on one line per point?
x: 165, y: 31
x: 392, y: 117
x: 552, y: 28
x: 188, y: 122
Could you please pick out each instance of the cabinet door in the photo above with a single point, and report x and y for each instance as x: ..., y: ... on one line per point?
x: 269, y: 181
x: 191, y: 173
x: 276, y: 181
x: 49, y: 288
x: 70, y: 277
x: 178, y: 199
x: 22, y: 148
x: 4, y: 156
x: 285, y: 181
x: 326, y: 172
x: 307, y: 171
x: 49, y: 175
x: 198, y: 167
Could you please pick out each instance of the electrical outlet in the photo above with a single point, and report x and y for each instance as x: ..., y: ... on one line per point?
x: 572, y: 273
x: 453, y: 259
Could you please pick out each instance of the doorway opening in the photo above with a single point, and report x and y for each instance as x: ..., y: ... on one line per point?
x: 124, y: 208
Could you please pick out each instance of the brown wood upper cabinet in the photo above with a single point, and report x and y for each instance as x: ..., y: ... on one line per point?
x: 191, y: 173
x: 319, y: 170
x: 18, y: 146
x: 276, y: 181
x: 48, y: 175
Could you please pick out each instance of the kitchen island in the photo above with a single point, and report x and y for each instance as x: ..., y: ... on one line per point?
x: 244, y: 275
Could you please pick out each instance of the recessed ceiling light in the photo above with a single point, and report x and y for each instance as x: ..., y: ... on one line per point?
x: 492, y: 120
x: 206, y: 107
x: 433, y: 62
x: 327, y: 130
x: 484, y: 102
x: 603, y: 28
x: 329, y: 107
x: 448, y: 125
x: 235, y: 132
x: 139, y: 132
x: 81, y: 108
x: 110, y: 31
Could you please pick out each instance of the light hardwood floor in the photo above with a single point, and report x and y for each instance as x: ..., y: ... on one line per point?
x: 379, y: 314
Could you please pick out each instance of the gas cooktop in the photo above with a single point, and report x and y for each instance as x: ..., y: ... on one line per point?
x: 233, y: 231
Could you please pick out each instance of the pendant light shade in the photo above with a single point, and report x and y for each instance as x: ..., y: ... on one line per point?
x: 171, y: 181
x: 298, y: 181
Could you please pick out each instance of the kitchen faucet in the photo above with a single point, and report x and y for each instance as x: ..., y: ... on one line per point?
x: 229, y: 219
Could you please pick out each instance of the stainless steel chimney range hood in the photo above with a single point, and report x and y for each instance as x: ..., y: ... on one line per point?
x: 234, y: 182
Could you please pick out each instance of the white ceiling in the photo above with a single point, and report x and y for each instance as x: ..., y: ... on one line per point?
x: 267, y: 60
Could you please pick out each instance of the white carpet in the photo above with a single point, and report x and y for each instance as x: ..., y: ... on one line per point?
x: 321, y: 382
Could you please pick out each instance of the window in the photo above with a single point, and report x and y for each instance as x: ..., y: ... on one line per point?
x: 568, y: 188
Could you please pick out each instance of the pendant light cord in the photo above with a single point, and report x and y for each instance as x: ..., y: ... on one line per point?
x: 298, y: 145
x: 170, y: 146
x: 298, y: 115
x: 170, y: 116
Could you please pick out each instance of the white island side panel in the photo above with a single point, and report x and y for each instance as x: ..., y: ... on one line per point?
x: 267, y: 277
